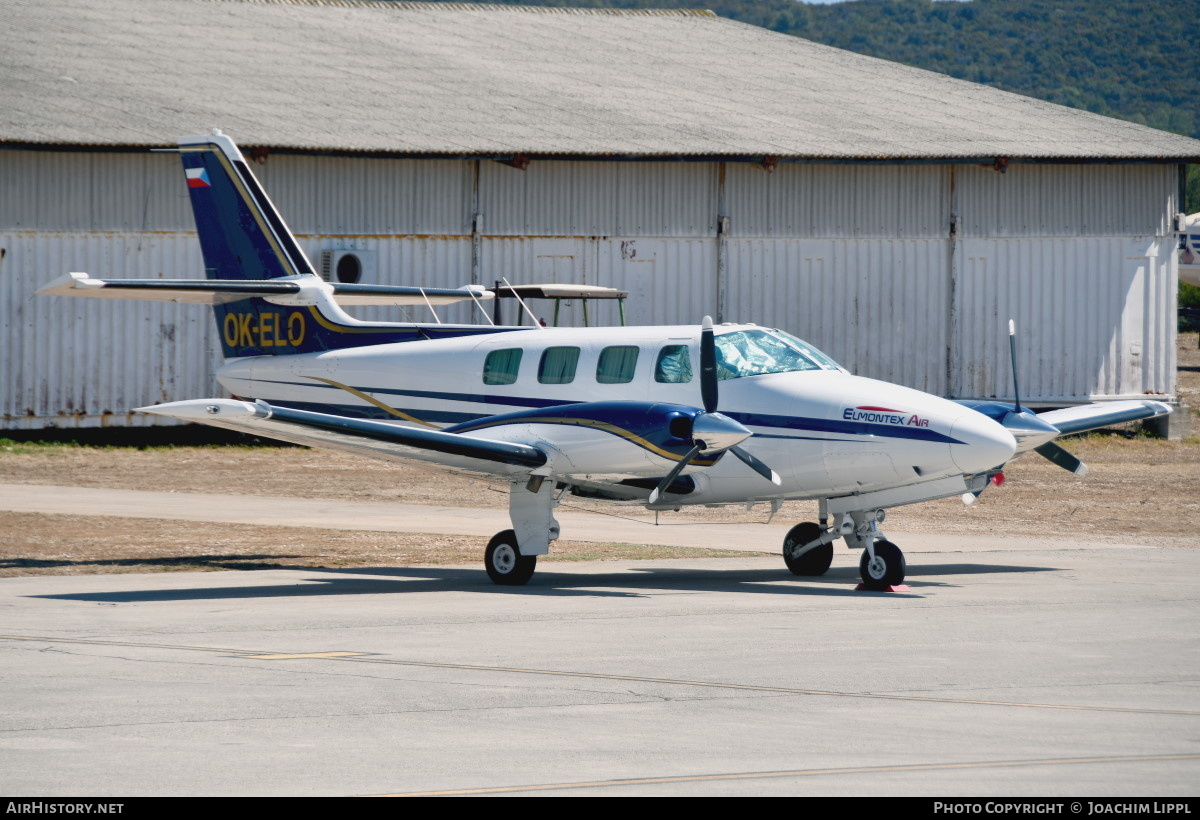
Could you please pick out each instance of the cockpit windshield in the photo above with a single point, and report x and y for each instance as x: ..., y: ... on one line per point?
x: 757, y: 352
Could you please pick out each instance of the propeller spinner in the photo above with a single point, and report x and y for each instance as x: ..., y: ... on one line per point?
x: 713, y: 432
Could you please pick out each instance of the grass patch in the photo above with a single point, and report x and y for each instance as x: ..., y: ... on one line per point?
x: 24, y: 448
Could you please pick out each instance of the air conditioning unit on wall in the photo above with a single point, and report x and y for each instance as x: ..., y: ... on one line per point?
x: 348, y: 265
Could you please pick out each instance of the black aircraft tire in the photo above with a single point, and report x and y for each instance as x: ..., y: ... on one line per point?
x: 814, y: 562
x: 888, y: 568
x: 504, y: 562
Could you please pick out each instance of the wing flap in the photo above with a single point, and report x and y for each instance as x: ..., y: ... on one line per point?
x: 376, y: 439
x: 1103, y: 414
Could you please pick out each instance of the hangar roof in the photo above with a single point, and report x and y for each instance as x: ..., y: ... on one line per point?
x: 428, y: 79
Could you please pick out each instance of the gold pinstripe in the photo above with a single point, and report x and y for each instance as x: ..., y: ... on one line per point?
x: 352, y: 391
x: 593, y: 423
x: 328, y: 325
x: 599, y: 425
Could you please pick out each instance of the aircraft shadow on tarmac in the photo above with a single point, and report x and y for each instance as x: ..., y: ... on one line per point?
x: 237, y: 561
x: 838, y: 582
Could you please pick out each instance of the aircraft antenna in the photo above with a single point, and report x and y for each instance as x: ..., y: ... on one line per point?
x: 479, y: 305
x: 536, y: 323
x: 429, y: 305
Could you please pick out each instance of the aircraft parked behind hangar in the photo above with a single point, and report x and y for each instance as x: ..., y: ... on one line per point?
x: 1189, y: 249
x: 665, y: 417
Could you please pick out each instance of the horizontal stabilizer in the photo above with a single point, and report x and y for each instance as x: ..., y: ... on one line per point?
x: 397, y: 295
x: 290, y: 290
x: 1103, y: 414
x: 360, y: 436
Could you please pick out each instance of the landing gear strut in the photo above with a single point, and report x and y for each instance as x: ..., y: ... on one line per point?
x: 808, y: 547
x: 804, y: 550
x: 882, y: 564
x: 511, y: 555
x: 883, y: 569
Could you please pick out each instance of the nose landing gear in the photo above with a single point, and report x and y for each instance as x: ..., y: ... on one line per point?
x: 884, y: 568
x: 808, y: 548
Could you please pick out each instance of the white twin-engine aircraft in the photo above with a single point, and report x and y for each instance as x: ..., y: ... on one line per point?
x: 628, y: 414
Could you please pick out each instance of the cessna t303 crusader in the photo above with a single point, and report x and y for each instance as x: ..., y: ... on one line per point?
x: 664, y: 417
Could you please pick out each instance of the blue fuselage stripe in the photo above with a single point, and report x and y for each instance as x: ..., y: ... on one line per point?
x: 835, y: 426
x: 475, y: 398
x: 812, y: 425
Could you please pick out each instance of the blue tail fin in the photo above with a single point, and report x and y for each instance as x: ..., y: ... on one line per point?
x: 241, y: 234
x: 243, y: 237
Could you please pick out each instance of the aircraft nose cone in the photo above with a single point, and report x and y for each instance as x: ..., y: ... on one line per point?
x: 984, y: 444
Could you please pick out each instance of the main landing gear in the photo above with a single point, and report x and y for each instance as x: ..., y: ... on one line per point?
x: 808, y: 548
x: 511, y: 555
x: 504, y: 562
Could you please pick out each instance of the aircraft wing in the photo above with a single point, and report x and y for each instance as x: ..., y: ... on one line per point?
x: 376, y: 439
x: 1094, y: 416
x: 280, y: 291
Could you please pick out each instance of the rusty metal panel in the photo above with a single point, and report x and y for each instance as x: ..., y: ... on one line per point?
x: 599, y: 199
x: 878, y: 307
x: 66, y: 191
x: 89, y: 362
x: 669, y: 281
x: 1067, y: 200
x: 903, y: 201
x: 1094, y: 318
x: 380, y: 197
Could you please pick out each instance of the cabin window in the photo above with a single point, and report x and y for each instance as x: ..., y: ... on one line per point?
x: 558, y: 365
x: 674, y: 365
x: 501, y: 366
x: 616, y: 365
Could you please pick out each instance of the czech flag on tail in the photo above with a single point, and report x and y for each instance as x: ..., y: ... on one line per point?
x: 197, y: 178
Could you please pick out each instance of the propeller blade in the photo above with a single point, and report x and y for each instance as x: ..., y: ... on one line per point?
x: 708, y: 366
x: 756, y: 465
x: 1062, y: 458
x: 674, y: 474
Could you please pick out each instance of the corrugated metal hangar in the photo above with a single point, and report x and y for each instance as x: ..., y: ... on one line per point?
x: 894, y: 217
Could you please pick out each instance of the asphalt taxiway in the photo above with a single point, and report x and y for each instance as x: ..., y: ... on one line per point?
x: 1052, y: 672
